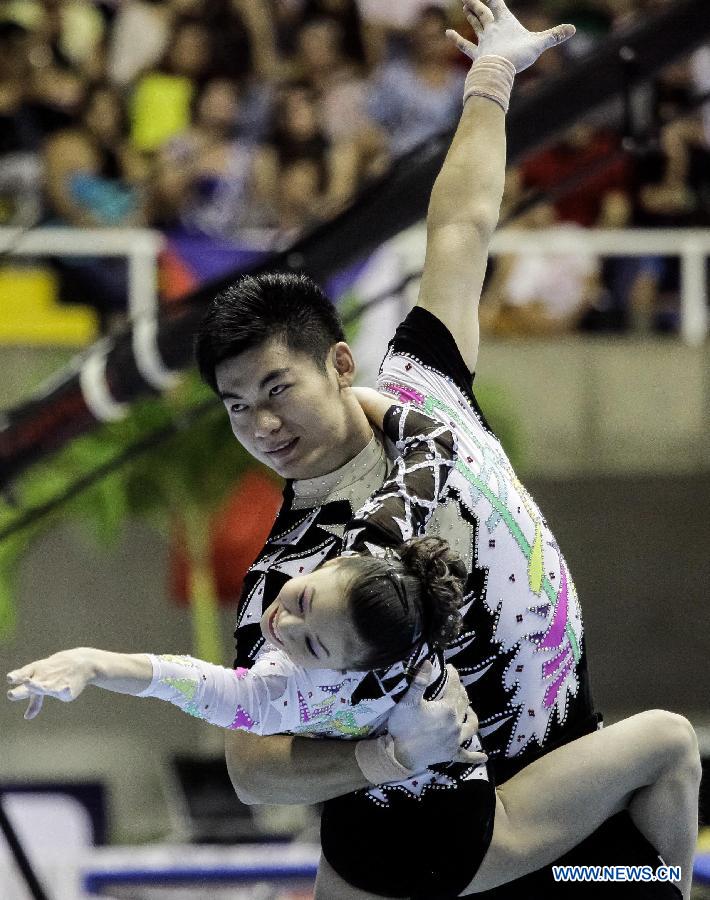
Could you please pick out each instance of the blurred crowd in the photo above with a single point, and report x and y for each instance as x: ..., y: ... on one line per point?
x: 250, y: 120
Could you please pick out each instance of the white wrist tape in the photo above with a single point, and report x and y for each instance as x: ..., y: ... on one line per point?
x: 491, y: 77
x: 377, y: 761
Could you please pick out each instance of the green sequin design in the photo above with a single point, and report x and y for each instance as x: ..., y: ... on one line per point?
x: 343, y: 722
x: 432, y: 404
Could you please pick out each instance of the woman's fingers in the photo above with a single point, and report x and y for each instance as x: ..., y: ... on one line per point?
x: 25, y: 692
x: 34, y: 707
x: 31, y: 688
x: 19, y: 693
x: 19, y: 675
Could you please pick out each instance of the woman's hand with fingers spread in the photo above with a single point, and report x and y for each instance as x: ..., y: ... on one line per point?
x: 63, y: 676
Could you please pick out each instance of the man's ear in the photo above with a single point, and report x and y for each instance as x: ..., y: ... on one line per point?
x: 344, y: 364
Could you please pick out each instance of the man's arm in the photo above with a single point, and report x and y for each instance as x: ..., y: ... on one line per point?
x: 465, y: 201
x: 280, y: 768
x: 285, y: 769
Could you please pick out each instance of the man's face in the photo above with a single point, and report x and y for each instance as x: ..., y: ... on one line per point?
x: 286, y: 411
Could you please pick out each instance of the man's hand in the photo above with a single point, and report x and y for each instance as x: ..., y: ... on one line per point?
x: 500, y: 34
x: 433, y: 731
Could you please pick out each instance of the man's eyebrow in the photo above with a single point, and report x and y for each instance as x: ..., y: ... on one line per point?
x: 272, y: 376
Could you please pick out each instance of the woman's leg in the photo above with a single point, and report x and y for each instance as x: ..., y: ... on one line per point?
x: 648, y: 763
x: 330, y: 886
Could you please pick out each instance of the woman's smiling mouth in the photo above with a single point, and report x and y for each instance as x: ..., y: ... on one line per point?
x: 272, y: 628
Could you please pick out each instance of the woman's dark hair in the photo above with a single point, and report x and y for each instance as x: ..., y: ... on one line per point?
x: 397, y: 603
x: 258, y: 308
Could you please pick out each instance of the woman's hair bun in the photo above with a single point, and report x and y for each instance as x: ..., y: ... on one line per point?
x: 442, y: 574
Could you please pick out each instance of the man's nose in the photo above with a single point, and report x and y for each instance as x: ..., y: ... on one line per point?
x: 265, y: 423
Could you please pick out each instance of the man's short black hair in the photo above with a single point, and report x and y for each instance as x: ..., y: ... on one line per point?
x: 261, y: 307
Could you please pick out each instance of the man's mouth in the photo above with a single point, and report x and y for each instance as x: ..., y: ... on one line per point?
x: 282, y: 449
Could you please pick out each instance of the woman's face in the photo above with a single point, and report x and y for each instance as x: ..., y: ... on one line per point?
x: 310, y: 622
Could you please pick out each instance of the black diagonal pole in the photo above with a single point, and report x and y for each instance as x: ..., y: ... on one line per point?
x: 23, y: 863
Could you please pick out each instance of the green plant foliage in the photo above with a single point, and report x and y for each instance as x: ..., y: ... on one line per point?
x: 189, y: 473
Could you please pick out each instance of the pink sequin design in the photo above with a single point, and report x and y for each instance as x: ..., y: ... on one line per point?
x: 405, y: 394
x: 552, y: 639
x: 556, y: 631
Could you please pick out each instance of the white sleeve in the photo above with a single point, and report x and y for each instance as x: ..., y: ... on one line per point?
x: 228, y: 698
x: 275, y: 696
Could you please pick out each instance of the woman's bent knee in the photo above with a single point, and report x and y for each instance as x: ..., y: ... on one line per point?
x: 677, y: 742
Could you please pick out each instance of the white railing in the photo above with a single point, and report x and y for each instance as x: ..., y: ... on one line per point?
x: 692, y: 245
x: 141, y: 248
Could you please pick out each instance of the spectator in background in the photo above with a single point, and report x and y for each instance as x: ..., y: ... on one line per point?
x: 543, y: 293
x: 20, y: 171
x: 589, y: 181
x: 341, y: 92
x: 673, y: 191
x: 43, y: 60
x: 346, y: 14
x: 138, y: 40
x: 589, y: 161
x: 163, y: 98
x: 418, y: 96
x: 301, y: 176
x: 95, y: 178
x: 67, y: 34
x: 387, y: 25
x: 203, y: 175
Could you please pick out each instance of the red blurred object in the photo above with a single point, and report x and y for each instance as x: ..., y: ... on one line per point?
x: 175, y: 278
x: 569, y: 158
x: 237, y: 534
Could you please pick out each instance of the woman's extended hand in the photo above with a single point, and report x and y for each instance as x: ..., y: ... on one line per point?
x: 63, y: 675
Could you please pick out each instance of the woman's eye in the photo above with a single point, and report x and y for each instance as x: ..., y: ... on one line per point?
x: 310, y: 648
x: 237, y: 407
x: 300, y: 601
x: 279, y: 389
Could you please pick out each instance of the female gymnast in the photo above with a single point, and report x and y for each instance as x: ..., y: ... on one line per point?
x: 389, y: 601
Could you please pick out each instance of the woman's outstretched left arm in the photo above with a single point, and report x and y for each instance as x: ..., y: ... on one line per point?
x: 228, y: 698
